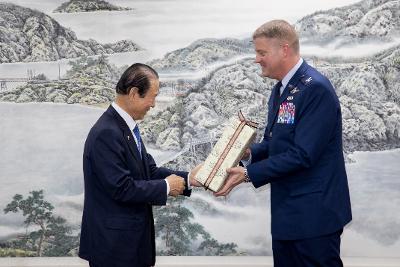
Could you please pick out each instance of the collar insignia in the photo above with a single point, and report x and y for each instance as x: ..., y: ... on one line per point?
x: 307, y: 80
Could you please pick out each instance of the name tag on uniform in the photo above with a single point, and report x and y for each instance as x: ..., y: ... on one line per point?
x: 286, y: 113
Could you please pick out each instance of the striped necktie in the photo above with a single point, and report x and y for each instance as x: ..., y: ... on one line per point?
x: 136, y: 132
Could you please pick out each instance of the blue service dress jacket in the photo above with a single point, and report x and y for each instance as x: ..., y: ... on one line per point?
x: 120, y: 189
x: 301, y: 157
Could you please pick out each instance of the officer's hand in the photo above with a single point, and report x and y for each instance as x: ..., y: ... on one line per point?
x: 235, y: 177
x: 176, y: 185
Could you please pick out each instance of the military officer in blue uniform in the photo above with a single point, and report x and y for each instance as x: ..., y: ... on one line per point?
x: 300, y: 156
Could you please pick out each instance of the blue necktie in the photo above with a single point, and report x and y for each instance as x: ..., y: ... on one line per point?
x: 136, y: 132
x: 277, y: 95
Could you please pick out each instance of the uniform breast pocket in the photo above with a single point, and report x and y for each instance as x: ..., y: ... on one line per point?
x: 282, y: 137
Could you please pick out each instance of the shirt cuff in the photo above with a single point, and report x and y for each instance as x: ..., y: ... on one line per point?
x: 188, y: 181
x: 246, y: 162
x: 167, y: 186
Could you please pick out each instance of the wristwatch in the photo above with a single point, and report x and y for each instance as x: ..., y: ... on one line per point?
x: 246, y: 176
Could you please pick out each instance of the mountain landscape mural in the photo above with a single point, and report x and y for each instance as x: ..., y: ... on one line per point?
x: 57, y: 79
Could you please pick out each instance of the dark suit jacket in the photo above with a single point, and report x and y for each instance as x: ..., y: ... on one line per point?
x: 302, y: 159
x: 120, y: 189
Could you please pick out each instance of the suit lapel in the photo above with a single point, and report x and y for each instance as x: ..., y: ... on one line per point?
x: 145, y: 161
x: 132, y: 144
x: 290, y: 86
x: 128, y: 136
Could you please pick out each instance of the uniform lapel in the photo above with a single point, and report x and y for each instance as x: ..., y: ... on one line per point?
x: 274, y: 98
x: 289, y: 87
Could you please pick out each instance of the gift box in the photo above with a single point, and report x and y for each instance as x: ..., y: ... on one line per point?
x: 227, y: 152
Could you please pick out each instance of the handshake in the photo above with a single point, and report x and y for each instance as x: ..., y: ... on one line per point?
x: 236, y: 175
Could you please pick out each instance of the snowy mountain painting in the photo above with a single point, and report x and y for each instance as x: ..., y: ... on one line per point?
x: 59, y: 65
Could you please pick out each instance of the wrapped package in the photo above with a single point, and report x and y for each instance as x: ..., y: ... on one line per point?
x: 227, y: 152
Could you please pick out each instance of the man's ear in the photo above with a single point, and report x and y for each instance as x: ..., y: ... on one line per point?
x: 133, y: 92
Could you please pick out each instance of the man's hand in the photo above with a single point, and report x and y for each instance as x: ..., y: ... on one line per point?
x: 235, y: 177
x: 176, y: 185
x: 193, y: 181
x: 246, y: 154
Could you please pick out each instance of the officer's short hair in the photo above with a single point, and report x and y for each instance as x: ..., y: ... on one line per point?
x: 279, y: 29
x: 138, y: 75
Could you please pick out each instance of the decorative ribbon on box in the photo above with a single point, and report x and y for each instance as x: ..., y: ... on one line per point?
x: 227, y: 152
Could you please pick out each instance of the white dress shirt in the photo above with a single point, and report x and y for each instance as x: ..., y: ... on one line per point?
x: 290, y: 74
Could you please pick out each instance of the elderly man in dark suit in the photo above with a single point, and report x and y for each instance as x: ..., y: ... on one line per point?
x: 300, y: 156
x: 122, y: 181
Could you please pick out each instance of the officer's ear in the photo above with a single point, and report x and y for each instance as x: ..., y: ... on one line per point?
x: 285, y: 48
